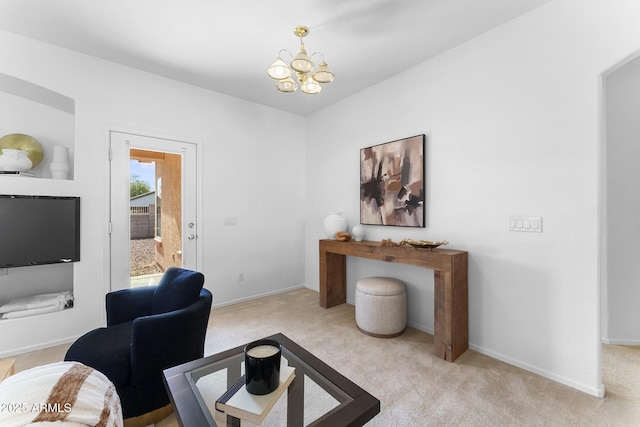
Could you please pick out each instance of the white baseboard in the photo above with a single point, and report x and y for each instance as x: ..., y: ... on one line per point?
x: 615, y: 341
x: 38, y: 346
x: 252, y: 297
x: 597, y: 392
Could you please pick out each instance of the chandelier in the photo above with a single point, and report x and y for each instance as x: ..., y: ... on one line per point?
x: 309, y: 77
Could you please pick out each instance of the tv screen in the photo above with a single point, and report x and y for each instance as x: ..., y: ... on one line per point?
x: 38, y: 230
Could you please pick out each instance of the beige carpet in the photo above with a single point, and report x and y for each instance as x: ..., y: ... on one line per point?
x: 414, y: 387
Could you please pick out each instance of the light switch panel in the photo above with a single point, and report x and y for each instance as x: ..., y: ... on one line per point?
x: 525, y: 223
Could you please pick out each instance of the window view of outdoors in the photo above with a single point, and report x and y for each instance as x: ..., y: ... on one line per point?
x: 155, y: 214
x: 143, y: 229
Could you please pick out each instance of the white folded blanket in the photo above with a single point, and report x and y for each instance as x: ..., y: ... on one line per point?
x: 32, y: 312
x: 36, y: 304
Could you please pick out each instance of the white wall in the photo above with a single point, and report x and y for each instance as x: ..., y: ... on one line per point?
x: 251, y: 170
x: 512, y: 125
x: 622, y: 95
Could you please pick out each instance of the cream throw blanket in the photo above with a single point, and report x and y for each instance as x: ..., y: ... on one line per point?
x: 59, y: 394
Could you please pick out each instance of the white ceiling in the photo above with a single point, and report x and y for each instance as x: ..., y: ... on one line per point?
x: 226, y: 45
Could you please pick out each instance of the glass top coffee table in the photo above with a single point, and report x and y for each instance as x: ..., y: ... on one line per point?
x: 318, y: 396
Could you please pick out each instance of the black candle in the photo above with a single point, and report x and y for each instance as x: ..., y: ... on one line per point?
x: 262, y: 366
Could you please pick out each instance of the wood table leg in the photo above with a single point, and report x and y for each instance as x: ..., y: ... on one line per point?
x: 451, y: 318
x: 441, y: 332
x: 333, y: 279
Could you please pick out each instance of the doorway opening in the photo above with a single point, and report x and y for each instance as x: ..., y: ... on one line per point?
x: 619, y: 229
x: 155, y: 210
x: 167, y: 172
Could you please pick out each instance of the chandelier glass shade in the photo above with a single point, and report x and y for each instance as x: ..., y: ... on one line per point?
x: 279, y: 70
x: 309, y: 77
x: 287, y: 85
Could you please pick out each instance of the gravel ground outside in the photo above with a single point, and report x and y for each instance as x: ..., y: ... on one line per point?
x: 143, y: 257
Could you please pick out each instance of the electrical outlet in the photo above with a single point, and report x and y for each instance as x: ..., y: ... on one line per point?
x: 4, y: 271
x: 240, y: 277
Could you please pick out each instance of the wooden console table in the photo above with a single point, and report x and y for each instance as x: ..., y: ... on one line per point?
x: 451, y: 323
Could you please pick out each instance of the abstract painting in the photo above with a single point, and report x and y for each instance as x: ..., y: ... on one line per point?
x: 392, y: 183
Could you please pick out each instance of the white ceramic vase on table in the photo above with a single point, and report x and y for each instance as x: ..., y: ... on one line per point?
x: 334, y: 223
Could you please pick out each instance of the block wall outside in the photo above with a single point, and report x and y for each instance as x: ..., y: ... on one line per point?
x: 142, y: 224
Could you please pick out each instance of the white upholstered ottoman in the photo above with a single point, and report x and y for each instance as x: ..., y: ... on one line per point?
x: 381, y: 306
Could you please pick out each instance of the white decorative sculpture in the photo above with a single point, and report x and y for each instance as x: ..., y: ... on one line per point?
x: 13, y: 160
x: 60, y: 164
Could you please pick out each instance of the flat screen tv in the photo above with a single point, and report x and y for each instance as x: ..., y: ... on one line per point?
x: 37, y: 230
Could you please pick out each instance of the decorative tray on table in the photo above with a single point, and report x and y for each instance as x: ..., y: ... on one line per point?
x: 422, y: 244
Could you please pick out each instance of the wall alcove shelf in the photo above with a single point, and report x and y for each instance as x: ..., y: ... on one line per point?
x: 48, y: 116
x: 451, y: 323
x: 43, y: 114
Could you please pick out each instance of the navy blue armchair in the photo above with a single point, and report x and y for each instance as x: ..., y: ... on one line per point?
x: 148, y: 330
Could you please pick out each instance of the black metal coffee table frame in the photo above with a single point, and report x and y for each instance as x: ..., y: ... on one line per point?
x: 356, y: 406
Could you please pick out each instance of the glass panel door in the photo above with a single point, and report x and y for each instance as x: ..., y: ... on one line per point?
x: 153, y: 187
